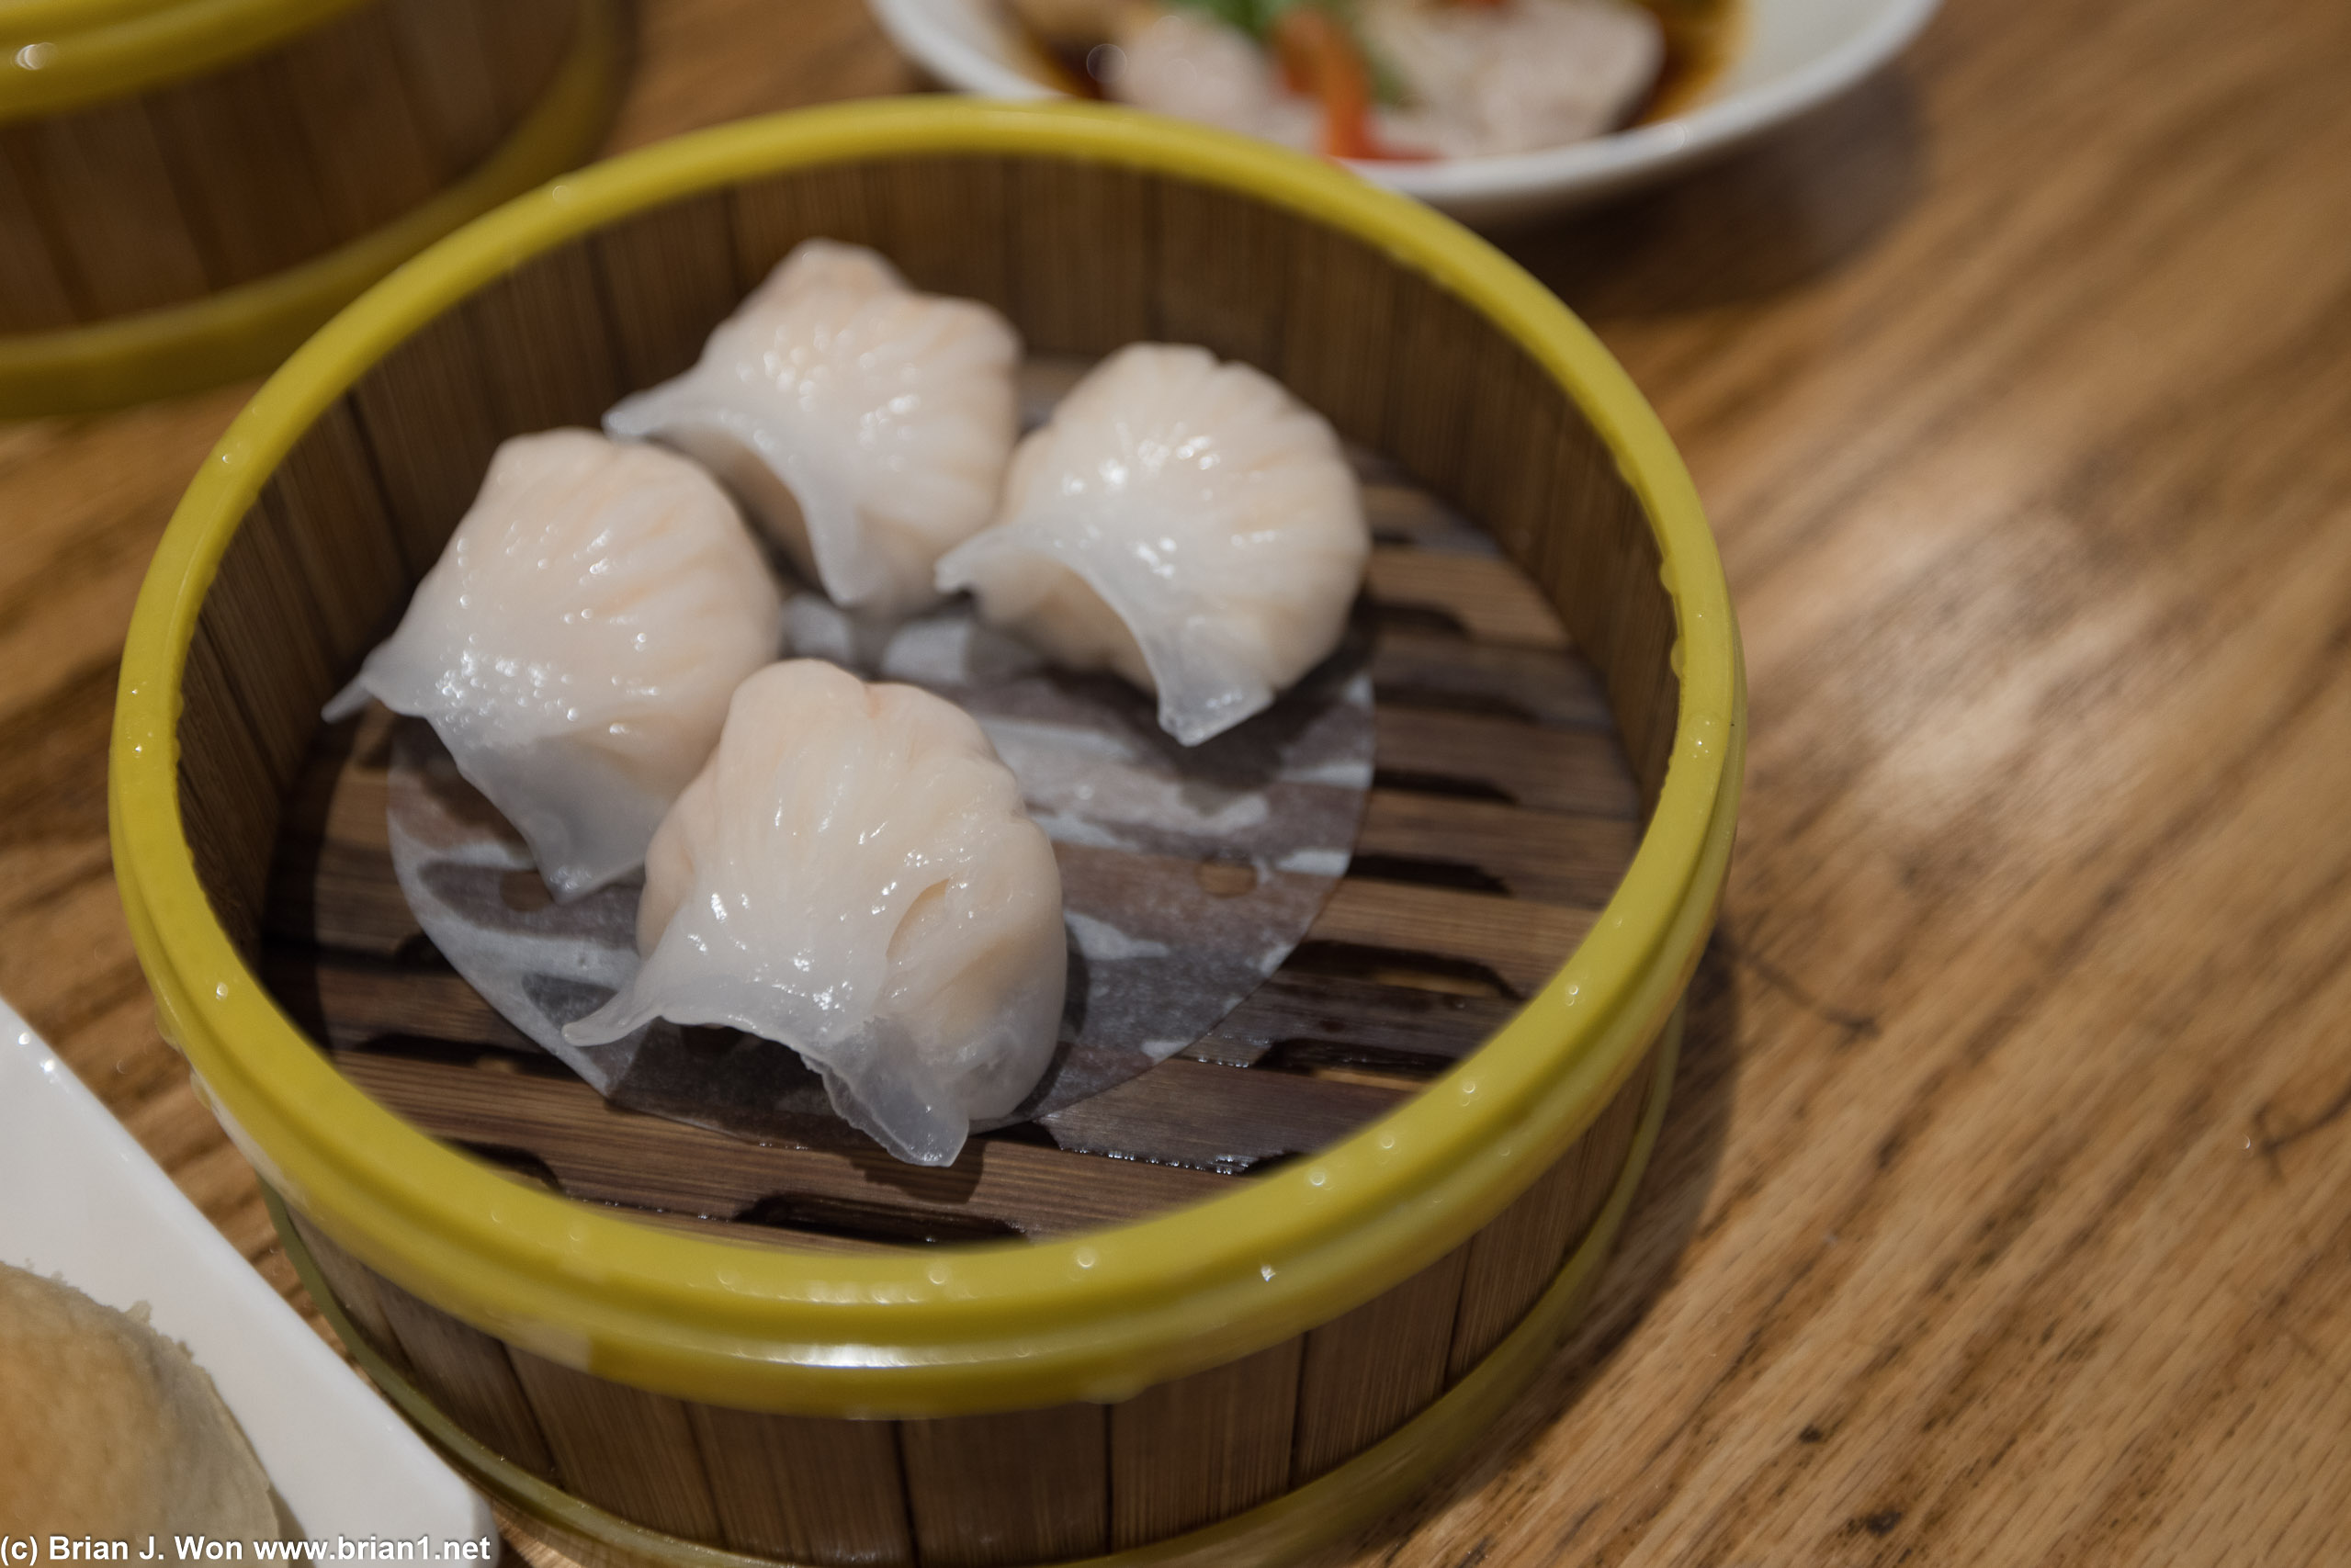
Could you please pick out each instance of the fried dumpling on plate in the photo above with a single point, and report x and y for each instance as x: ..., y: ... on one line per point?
x: 576, y: 644
x: 1186, y: 524
x: 854, y: 876
x: 109, y: 1429
x: 864, y: 425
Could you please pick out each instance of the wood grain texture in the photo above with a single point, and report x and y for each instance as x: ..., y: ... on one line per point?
x: 1366, y: 1371
x: 2002, y: 1215
x: 32, y: 287
x: 1202, y: 1449
x: 668, y: 278
x: 240, y: 161
x: 362, y: 1296
x: 817, y: 1492
x: 444, y: 64
x: 1513, y: 1260
x: 131, y: 250
x: 1029, y: 1486
x: 472, y: 1376
x: 340, y: 88
x: 603, y: 1153
x: 256, y: 165
x: 628, y: 1451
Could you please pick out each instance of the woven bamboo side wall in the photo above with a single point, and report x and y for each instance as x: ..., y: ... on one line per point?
x: 1083, y: 259
x: 1033, y: 1486
x: 199, y: 185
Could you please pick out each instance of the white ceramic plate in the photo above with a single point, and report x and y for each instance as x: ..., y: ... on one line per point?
x: 1797, y: 53
x: 81, y: 1199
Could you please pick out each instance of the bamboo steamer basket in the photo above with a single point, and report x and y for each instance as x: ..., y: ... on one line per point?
x: 189, y: 187
x: 1227, y: 1378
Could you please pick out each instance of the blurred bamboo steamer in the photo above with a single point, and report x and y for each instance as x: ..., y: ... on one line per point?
x: 654, y: 1346
x: 189, y: 187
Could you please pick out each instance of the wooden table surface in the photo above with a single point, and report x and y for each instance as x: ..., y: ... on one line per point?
x: 2004, y: 1214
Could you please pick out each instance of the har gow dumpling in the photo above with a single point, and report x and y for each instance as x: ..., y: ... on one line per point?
x: 866, y: 426
x: 1188, y: 525
x: 576, y: 643
x: 853, y: 875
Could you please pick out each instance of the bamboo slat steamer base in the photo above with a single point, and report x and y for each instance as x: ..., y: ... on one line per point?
x: 196, y: 227
x: 1527, y: 701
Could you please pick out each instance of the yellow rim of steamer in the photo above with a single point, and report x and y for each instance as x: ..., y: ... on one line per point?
x: 949, y: 1330
x: 59, y: 55
x: 242, y: 330
x: 1276, y: 1530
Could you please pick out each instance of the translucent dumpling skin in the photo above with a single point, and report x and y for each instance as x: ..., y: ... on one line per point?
x: 576, y: 643
x: 1188, y: 525
x: 864, y: 425
x: 853, y: 875
x: 1187, y: 63
x: 1487, y: 80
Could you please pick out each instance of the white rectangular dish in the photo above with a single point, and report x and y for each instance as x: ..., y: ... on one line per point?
x: 79, y: 1199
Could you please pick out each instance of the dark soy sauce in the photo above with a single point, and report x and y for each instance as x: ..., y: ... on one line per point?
x: 1702, y: 37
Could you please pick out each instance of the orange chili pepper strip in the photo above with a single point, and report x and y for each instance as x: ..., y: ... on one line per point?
x: 1318, y: 58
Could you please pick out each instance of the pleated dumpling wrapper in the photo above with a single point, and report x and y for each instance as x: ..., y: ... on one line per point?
x: 576, y: 643
x: 853, y: 875
x: 866, y: 426
x: 1187, y: 523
